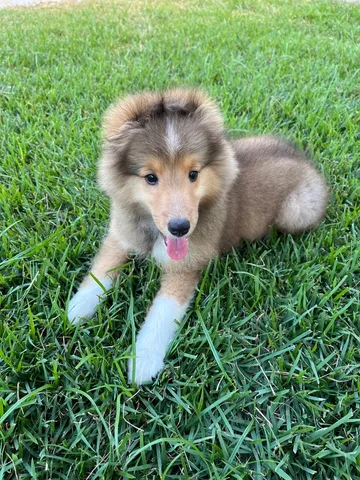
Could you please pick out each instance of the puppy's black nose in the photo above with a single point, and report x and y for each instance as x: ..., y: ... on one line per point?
x: 179, y: 227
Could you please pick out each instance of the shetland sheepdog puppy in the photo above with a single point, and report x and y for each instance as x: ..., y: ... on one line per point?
x: 183, y: 193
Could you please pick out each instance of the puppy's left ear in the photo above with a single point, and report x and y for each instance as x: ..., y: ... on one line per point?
x: 195, y: 103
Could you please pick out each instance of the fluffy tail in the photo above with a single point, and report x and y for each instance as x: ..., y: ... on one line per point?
x: 304, y: 207
x: 277, y: 185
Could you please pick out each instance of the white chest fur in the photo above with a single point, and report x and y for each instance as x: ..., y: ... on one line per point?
x: 159, y: 252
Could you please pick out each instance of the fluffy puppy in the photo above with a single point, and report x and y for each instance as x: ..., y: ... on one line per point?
x: 183, y: 193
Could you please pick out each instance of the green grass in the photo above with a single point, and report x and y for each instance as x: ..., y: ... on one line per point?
x: 263, y: 379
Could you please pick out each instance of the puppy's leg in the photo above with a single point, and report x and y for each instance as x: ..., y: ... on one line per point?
x: 90, y: 293
x: 305, y: 205
x: 160, y: 325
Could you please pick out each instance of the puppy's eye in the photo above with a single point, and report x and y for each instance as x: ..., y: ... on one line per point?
x: 193, y: 175
x: 151, y: 179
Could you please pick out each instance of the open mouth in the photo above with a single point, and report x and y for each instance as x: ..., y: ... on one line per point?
x: 176, y: 247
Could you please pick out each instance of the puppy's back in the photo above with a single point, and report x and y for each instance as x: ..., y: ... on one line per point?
x: 277, y: 185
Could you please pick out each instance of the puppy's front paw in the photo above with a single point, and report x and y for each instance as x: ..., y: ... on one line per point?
x: 84, y: 302
x: 148, y: 364
x: 82, y: 305
x: 154, y: 338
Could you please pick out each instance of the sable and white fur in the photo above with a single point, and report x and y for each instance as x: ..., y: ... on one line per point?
x: 243, y: 187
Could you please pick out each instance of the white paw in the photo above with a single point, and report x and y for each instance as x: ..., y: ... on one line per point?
x: 85, y: 301
x: 154, y: 338
x: 149, y: 363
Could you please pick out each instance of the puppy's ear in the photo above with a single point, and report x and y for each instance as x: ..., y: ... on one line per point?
x: 127, y: 111
x: 196, y: 104
x: 120, y: 139
x: 113, y: 163
x: 183, y: 109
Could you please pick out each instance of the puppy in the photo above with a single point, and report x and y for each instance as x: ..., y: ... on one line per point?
x: 183, y: 193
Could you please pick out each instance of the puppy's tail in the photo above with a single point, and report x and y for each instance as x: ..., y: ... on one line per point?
x: 305, y: 206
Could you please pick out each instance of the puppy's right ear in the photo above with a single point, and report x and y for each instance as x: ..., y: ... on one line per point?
x: 126, y: 112
x: 119, y: 141
x: 114, y: 161
x: 119, y: 125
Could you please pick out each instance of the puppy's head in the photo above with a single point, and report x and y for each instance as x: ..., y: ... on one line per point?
x: 166, y: 152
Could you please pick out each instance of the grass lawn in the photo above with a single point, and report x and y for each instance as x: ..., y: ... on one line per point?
x: 263, y: 378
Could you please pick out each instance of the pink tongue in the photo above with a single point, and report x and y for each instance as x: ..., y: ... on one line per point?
x: 176, y: 247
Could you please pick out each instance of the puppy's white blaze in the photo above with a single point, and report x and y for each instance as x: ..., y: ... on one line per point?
x: 84, y: 302
x: 172, y: 138
x: 154, y: 338
x: 159, y: 252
